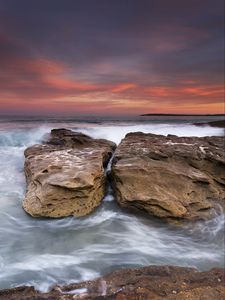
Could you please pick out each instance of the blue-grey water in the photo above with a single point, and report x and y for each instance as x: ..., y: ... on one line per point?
x: 43, y: 252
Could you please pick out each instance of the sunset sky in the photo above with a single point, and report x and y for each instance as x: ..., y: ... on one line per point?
x: 111, y: 57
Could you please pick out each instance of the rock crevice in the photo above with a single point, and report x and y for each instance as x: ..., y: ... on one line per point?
x: 169, y: 177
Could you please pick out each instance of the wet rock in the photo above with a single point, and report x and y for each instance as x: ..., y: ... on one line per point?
x: 148, y: 283
x: 174, y: 178
x: 65, y: 175
x: 219, y: 124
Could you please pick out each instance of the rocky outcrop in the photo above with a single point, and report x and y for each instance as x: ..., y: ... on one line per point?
x: 175, y: 178
x: 65, y: 175
x: 148, y: 283
x: 219, y: 124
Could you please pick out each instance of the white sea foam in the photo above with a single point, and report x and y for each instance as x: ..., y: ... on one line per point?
x: 76, y: 292
x: 43, y: 252
x: 116, y: 133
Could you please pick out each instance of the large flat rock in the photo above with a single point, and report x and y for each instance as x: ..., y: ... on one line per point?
x: 148, y: 283
x: 65, y: 175
x: 174, y: 178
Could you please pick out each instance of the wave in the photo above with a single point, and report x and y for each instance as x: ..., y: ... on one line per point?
x: 116, y: 133
x: 22, y: 137
x: 43, y: 252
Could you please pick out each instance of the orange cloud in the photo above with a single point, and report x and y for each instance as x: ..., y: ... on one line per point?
x: 48, y: 85
x: 123, y: 87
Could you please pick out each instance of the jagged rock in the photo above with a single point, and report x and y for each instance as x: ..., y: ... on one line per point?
x: 170, y: 177
x: 148, y: 283
x: 65, y: 175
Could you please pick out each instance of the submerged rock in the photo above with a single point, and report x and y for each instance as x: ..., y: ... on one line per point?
x: 219, y: 124
x: 65, y: 175
x: 175, y: 178
x: 148, y: 283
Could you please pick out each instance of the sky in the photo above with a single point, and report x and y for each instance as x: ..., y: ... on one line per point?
x: 111, y: 57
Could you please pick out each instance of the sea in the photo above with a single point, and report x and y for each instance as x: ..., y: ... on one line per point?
x: 45, y: 252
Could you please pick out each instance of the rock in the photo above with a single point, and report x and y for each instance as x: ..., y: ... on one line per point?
x: 65, y: 175
x: 219, y: 124
x: 148, y: 283
x: 174, y: 178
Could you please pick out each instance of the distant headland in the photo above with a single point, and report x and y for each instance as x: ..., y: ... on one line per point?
x: 183, y: 115
x: 216, y: 123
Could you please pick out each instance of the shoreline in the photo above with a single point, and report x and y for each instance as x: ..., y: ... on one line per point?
x: 152, y: 282
x: 173, y: 142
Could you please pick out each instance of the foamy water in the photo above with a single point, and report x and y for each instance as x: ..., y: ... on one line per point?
x: 43, y: 252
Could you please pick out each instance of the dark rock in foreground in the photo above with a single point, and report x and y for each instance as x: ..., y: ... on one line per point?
x: 148, y: 283
x: 174, y: 178
x: 65, y: 175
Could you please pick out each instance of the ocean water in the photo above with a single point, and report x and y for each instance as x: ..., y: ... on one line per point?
x: 44, y: 252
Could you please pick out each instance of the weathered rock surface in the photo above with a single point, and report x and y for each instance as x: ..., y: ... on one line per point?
x: 65, y: 174
x: 175, y: 178
x: 148, y: 283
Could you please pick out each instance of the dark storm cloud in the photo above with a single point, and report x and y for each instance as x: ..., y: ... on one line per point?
x: 123, y: 43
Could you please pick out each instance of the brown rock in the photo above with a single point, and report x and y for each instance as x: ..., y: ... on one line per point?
x: 65, y: 175
x: 148, y: 283
x: 175, y: 178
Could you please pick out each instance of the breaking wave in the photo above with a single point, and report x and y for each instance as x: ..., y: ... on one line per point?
x: 43, y: 252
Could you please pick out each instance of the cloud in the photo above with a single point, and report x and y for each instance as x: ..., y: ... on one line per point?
x: 124, y: 56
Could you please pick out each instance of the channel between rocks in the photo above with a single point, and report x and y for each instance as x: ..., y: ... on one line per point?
x: 172, y: 178
x: 147, y: 169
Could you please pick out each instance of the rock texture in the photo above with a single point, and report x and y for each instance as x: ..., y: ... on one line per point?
x: 175, y: 178
x: 148, y: 283
x: 65, y: 175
